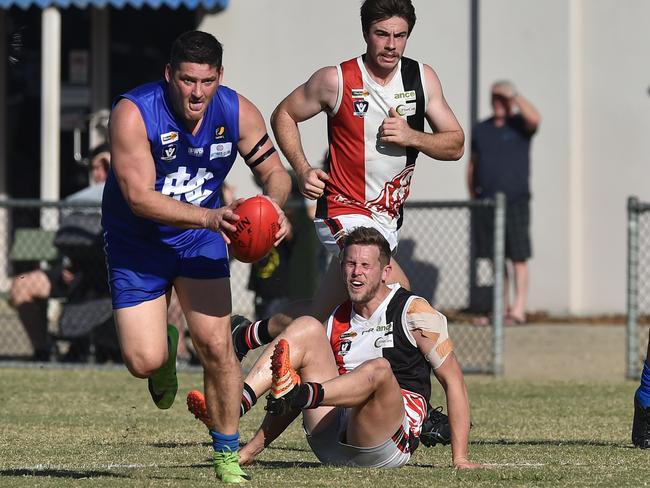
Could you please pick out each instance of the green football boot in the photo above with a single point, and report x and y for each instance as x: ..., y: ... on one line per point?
x: 227, y: 469
x: 163, y: 384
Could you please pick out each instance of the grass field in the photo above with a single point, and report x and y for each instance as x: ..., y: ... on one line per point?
x: 60, y: 427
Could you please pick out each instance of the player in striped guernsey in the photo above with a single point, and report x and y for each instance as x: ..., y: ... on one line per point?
x: 376, y: 105
x: 364, y: 381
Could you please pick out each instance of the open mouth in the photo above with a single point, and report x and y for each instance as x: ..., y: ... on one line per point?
x: 356, y: 285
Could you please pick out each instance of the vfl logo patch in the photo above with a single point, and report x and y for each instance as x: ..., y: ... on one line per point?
x: 169, y: 153
x: 195, y: 151
x: 345, y: 348
x: 360, y: 107
x: 220, y: 132
x: 169, y: 137
x: 220, y: 150
x: 359, y: 93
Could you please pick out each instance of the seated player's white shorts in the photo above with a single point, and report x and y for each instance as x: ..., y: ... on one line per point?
x: 330, y: 447
x: 331, y: 231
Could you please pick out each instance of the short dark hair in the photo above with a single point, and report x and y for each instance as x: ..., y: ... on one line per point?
x: 375, y: 10
x: 196, y: 47
x: 368, y: 236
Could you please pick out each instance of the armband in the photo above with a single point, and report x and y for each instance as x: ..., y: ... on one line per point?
x: 257, y: 147
x: 261, y: 159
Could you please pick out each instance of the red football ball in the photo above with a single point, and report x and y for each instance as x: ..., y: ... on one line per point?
x: 256, y: 228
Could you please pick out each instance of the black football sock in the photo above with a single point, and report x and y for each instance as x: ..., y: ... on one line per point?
x: 256, y: 335
x: 310, y: 395
x: 248, y: 400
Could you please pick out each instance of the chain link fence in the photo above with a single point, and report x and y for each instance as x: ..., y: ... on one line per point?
x: 61, y: 242
x: 445, y: 264
x: 638, y: 284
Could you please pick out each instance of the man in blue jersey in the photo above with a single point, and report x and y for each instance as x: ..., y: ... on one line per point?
x: 172, y: 143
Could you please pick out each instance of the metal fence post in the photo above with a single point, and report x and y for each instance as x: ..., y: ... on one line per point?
x: 632, y: 285
x: 499, y: 269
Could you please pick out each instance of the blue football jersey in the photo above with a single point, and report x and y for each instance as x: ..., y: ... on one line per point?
x: 189, y: 168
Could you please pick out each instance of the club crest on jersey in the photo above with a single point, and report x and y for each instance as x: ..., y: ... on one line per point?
x: 220, y: 132
x: 359, y: 93
x: 360, y: 107
x: 169, y: 153
x: 195, y: 151
x: 406, y: 109
x: 220, y: 150
x: 169, y: 137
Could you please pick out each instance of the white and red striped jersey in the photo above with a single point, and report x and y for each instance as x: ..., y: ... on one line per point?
x: 368, y: 177
x: 355, y: 340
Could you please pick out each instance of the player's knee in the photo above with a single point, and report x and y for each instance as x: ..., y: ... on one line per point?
x: 305, y: 328
x: 214, y: 350
x: 19, y: 293
x: 143, y: 364
x: 378, y: 371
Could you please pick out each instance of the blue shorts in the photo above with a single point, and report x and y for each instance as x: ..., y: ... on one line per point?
x: 140, y: 271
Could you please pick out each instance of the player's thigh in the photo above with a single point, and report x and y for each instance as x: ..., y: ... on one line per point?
x: 30, y: 286
x: 379, y: 418
x: 206, y: 304
x: 142, y: 333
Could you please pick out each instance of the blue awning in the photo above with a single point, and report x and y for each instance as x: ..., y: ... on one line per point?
x: 173, y: 4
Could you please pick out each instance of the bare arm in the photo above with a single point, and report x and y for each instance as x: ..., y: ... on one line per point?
x: 271, y: 428
x: 318, y: 94
x: 447, y: 141
x: 531, y: 116
x: 135, y: 171
x: 269, y: 172
x: 528, y: 112
x: 429, y: 328
x: 451, y: 378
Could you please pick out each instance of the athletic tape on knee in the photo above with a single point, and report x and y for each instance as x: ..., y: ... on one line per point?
x: 432, y: 324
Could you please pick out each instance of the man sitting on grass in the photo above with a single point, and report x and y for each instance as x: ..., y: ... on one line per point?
x: 362, y: 383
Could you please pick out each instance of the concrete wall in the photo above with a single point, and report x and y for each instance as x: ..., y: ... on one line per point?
x: 582, y: 64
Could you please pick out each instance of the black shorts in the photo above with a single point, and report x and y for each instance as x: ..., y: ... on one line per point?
x: 518, y: 247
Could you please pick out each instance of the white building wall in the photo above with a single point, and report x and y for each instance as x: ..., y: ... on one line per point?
x: 561, y: 55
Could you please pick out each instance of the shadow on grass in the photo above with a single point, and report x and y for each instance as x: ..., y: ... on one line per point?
x: 60, y: 473
x: 547, y: 442
x: 288, y: 464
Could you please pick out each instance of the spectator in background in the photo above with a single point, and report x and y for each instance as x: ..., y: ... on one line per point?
x: 500, y: 162
x: 30, y: 291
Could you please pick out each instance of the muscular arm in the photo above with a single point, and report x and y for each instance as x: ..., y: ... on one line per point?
x: 318, y: 94
x: 429, y: 328
x: 447, y: 141
x: 270, y: 172
x: 135, y: 171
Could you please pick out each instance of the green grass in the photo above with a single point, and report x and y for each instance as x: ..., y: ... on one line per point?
x: 100, y: 427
